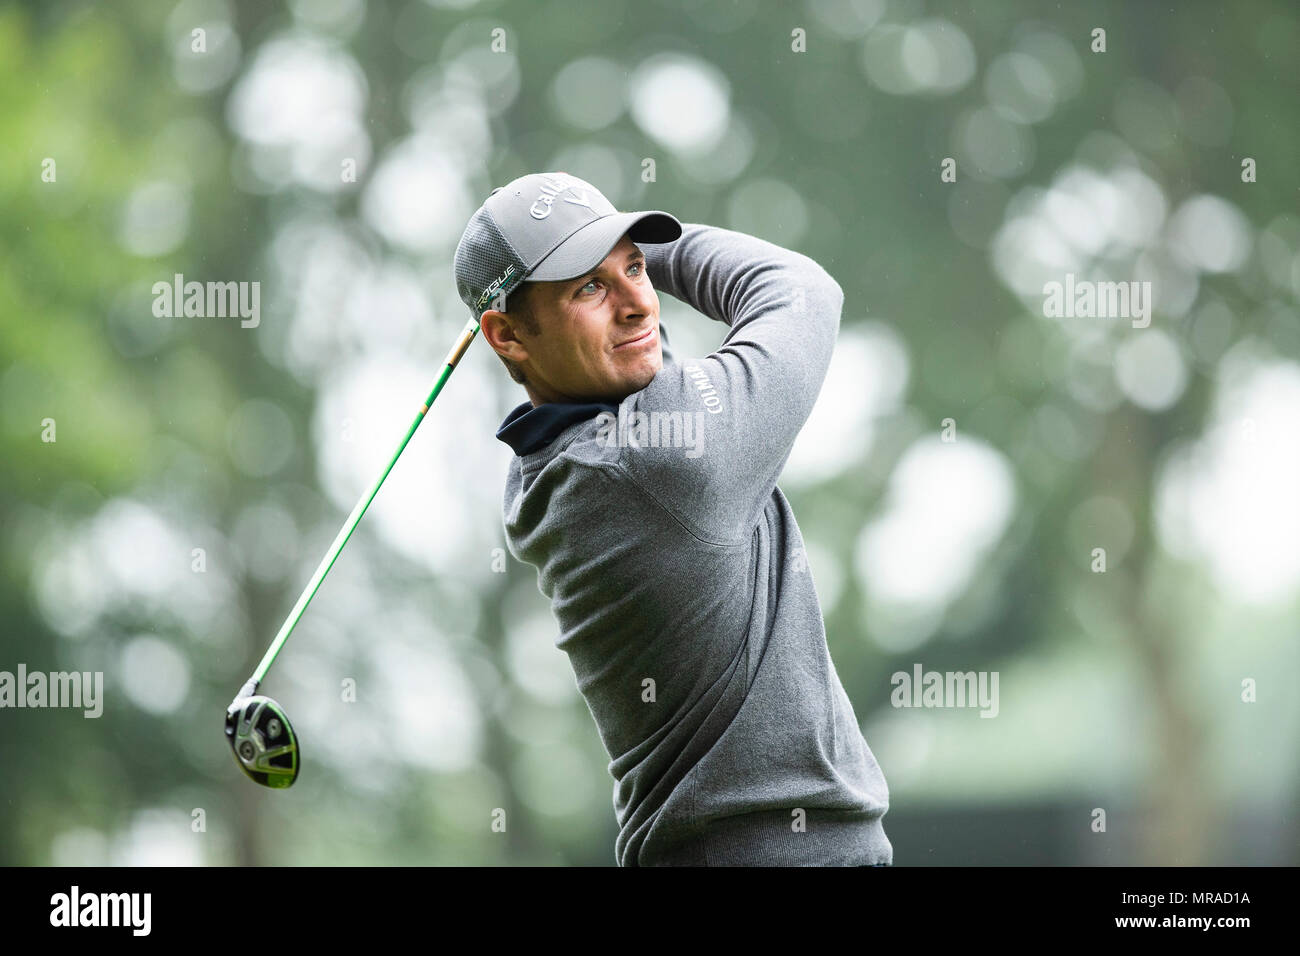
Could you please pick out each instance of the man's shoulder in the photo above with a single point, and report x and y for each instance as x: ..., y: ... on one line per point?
x: 574, y: 457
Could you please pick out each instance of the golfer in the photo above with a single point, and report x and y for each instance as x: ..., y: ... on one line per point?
x: 643, y: 490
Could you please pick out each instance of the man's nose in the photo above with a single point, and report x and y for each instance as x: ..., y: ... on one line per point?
x: 634, y: 298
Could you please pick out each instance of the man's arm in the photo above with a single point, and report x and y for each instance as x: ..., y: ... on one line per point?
x: 752, y: 395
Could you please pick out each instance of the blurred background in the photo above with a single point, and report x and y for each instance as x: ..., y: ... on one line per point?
x: 169, y: 484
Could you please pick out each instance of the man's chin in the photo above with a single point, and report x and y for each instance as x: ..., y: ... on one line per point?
x: 634, y: 381
x: 645, y: 375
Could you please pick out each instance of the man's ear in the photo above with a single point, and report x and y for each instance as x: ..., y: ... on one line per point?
x: 499, y: 331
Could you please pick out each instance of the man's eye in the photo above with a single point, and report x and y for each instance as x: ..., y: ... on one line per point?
x: 638, y: 266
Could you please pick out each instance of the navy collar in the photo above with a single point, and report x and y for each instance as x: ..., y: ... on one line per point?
x: 529, y: 428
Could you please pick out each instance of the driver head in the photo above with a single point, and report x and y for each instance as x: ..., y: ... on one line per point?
x: 263, y: 741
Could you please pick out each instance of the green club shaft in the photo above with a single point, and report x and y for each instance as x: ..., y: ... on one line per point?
x: 457, y: 350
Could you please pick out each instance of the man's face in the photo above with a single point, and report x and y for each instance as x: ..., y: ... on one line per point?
x: 598, y: 334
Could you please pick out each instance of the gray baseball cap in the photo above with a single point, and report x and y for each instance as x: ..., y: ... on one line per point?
x: 544, y: 227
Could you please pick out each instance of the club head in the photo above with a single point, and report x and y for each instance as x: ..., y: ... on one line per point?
x: 262, y: 740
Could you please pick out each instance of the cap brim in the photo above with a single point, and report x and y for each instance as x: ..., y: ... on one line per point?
x: 588, y: 247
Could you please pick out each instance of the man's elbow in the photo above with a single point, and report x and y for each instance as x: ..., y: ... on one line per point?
x: 828, y: 280
x: 837, y: 299
x: 829, y: 299
x: 819, y: 296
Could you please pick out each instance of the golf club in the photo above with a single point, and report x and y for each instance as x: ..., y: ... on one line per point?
x: 257, y: 728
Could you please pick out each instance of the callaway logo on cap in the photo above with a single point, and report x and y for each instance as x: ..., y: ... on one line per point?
x: 544, y: 227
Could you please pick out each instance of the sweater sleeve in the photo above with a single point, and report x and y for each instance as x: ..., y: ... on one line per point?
x: 715, y: 432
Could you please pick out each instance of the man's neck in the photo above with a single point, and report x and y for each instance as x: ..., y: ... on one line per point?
x: 537, y: 399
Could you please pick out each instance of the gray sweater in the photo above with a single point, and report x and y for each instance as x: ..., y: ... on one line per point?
x: 676, y: 572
